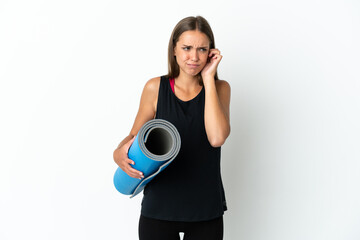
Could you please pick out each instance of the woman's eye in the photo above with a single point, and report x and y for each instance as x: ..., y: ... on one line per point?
x: 203, y: 49
x: 186, y: 48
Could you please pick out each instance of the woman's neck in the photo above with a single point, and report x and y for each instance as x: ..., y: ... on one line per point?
x: 187, y: 82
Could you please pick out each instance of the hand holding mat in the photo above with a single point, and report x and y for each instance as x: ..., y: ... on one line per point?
x: 155, y: 147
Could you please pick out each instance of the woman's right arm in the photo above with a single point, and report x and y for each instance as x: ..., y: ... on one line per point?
x: 146, y: 112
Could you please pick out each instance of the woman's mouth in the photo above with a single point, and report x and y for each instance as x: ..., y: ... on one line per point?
x: 193, y: 65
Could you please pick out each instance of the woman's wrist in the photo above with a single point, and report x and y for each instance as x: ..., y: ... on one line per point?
x: 208, y: 80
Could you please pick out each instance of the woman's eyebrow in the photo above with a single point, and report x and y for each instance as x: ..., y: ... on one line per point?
x: 184, y: 45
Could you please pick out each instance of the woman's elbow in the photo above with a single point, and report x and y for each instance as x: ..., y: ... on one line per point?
x: 219, y: 140
x: 216, y: 142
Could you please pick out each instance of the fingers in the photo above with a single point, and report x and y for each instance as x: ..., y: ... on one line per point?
x: 214, y: 52
x: 125, y: 163
x: 132, y: 172
x: 129, y: 161
x: 215, y: 55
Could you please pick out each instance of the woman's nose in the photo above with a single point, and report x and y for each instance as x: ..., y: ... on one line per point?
x: 194, y: 55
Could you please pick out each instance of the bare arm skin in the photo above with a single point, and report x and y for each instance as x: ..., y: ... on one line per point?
x: 217, y: 115
x: 146, y: 112
x: 217, y: 102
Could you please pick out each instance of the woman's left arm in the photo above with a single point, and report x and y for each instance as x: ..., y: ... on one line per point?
x: 217, y: 115
x: 217, y: 102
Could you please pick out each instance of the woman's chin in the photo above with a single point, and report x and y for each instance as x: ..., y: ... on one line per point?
x: 193, y: 73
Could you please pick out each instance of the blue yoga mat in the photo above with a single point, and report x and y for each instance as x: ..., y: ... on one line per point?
x: 154, y: 148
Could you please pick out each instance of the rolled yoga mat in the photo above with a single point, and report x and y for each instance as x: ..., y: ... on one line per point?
x: 154, y: 148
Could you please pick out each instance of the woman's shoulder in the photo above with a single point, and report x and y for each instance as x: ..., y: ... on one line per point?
x: 152, y: 85
x: 149, y: 97
x: 222, y: 85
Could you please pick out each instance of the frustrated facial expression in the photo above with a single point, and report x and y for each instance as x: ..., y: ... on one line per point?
x: 192, y: 51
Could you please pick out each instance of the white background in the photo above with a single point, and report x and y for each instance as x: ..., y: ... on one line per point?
x: 72, y: 72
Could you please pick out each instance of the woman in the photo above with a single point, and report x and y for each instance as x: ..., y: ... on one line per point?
x: 188, y: 196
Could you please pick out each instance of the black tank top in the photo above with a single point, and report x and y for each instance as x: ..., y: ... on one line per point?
x: 190, y: 188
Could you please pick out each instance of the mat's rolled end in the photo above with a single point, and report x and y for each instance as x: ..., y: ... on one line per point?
x: 156, y: 145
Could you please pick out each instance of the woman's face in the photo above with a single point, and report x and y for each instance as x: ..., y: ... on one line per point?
x: 192, y: 52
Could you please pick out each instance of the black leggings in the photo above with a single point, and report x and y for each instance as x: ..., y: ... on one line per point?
x: 153, y: 229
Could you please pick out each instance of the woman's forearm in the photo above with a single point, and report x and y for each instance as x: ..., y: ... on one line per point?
x: 217, y: 124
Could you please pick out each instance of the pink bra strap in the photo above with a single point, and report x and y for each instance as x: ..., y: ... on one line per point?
x: 172, y: 83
